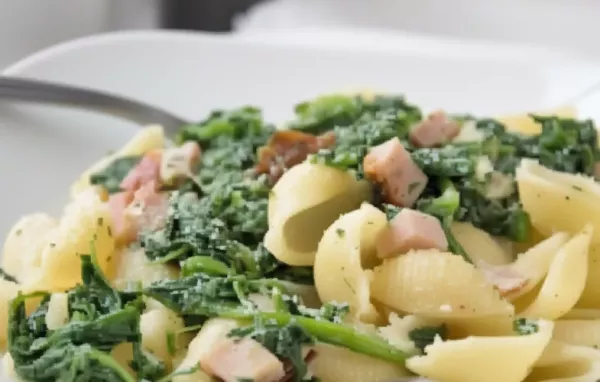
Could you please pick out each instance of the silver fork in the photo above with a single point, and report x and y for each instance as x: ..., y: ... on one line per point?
x: 16, y: 89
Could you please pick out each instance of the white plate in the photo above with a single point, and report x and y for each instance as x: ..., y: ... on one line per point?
x: 42, y: 150
x: 407, y: 41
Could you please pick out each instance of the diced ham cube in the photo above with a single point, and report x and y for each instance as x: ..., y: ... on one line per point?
x: 148, y: 210
x: 287, y: 148
x: 179, y: 162
x: 390, y: 165
x: 434, y: 131
x: 133, y: 212
x: 122, y: 227
x: 146, y: 171
x: 232, y: 360
x: 411, y: 229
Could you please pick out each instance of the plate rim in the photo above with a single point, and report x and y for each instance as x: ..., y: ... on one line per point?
x: 468, y: 48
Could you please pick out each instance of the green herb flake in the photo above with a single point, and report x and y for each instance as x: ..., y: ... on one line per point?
x: 424, y: 336
x: 5, y: 276
x: 112, y: 175
x: 340, y: 232
x: 523, y: 326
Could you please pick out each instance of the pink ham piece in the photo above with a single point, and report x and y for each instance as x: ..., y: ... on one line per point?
x: 146, y: 171
x: 434, y: 131
x: 117, y: 203
x: 503, y: 277
x: 148, y: 210
x: 133, y: 212
x: 408, y: 230
x: 232, y: 361
x: 390, y: 165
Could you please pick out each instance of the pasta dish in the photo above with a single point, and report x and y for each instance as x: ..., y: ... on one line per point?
x: 362, y: 241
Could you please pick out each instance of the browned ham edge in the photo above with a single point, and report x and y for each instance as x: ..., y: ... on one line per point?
x: 288, y: 148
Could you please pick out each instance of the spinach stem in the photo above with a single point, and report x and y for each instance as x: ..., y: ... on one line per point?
x: 333, y: 334
x: 112, y: 363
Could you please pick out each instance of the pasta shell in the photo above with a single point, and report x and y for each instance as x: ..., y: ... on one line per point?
x: 574, y: 201
x: 578, y: 332
x: 480, y: 245
x: 335, y: 364
x: 561, y: 362
x: 305, y: 201
x: 436, y: 284
x: 25, y: 244
x: 345, y: 252
x: 582, y: 314
x: 565, y: 280
x: 491, y: 359
x: 85, y: 222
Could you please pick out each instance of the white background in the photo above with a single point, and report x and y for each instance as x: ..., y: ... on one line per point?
x: 29, y: 25
x: 568, y: 25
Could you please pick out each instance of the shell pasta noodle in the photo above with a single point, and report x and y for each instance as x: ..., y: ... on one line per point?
x: 565, y: 280
x: 307, y: 199
x: 362, y: 241
x: 344, y: 248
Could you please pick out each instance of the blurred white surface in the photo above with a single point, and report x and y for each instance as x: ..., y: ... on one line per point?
x: 568, y: 25
x: 30, y: 25
x: 565, y: 25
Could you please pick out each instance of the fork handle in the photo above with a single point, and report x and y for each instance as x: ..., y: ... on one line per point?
x: 35, y: 91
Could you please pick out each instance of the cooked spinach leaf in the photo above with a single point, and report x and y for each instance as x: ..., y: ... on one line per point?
x: 206, y: 296
x: 227, y: 219
x: 112, y: 175
x: 285, y: 342
x: 100, y: 318
x: 354, y: 141
x: 424, y: 336
x: 330, y: 111
x: 233, y: 124
x: 523, y: 326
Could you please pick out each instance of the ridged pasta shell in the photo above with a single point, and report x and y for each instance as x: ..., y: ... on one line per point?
x: 565, y: 281
x: 480, y: 245
x: 561, y: 362
x: 436, y: 284
x: 565, y: 202
x: 86, y: 221
x: 345, y: 252
x: 303, y: 203
x: 490, y: 359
